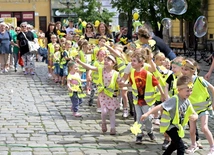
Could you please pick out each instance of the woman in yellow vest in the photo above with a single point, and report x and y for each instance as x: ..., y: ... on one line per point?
x: 202, y: 104
x: 177, y: 111
x: 107, y: 90
x: 144, y: 92
x: 75, y: 88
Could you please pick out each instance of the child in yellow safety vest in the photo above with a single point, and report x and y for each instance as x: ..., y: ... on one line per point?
x: 56, y: 62
x: 177, y: 111
x: 144, y: 92
x: 201, y: 102
x: 50, y: 55
x: 94, y: 76
x: 75, y: 88
x: 107, y: 90
x: 170, y: 88
x: 161, y: 74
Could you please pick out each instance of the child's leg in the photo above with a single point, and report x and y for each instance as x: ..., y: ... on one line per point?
x: 192, y: 125
x: 139, y: 113
x: 176, y: 143
x: 91, y: 98
x: 103, y: 117
x: 75, y: 102
x: 125, y: 103
x: 205, y: 129
x: 131, y: 106
x: 112, y: 122
x: 148, y: 121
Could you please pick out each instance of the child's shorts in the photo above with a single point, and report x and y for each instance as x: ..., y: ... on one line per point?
x: 56, y: 68
x: 64, y: 71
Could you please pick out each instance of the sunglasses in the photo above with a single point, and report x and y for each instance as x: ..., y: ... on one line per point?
x: 17, y: 30
x: 24, y: 26
x: 89, y: 27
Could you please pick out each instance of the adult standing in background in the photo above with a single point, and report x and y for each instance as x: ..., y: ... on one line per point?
x: 71, y: 29
x: 5, y: 46
x: 51, y: 31
x: 89, y: 31
x: 103, y: 30
x: 27, y: 56
x: 16, y: 47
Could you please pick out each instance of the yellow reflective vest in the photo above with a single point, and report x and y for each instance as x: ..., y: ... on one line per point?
x: 82, y: 58
x: 76, y: 88
x: 150, y: 90
x: 121, y: 65
x: 174, y: 90
x: 200, y: 97
x: 166, y: 119
x: 94, y: 74
x: 111, y: 88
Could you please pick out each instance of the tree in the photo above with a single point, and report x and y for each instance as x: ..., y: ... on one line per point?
x: 90, y: 11
x: 153, y: 11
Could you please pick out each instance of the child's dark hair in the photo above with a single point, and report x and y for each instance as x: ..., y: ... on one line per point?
x: 184, y: 80
x: 143, y: 32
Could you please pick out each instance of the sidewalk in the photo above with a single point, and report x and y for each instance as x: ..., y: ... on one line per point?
x: 36, y: 119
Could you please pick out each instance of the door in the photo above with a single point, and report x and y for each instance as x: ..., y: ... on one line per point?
x: 43, y: 23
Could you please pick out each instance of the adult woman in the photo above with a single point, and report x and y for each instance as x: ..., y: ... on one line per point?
x: 16, y: 47
x: 103, y: 30
x: 89, y: 31
x: 51, y: 30
x: 27, y: 56
x: 5, y: 46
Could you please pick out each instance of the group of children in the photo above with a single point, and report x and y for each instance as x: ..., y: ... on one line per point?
x: 171, y: 91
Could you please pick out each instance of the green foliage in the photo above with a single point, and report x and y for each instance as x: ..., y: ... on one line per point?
x: 92, y: 12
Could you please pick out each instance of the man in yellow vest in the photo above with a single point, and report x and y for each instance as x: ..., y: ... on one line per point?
x: 177, y: 111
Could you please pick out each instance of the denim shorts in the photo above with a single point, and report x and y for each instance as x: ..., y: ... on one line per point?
x: 56, y: 68
x: 64, y: 71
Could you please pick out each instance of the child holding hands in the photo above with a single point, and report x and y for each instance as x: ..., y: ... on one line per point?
x: 177, y: 111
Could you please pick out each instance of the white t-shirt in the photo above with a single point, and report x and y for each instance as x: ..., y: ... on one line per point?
x: 70, y: 30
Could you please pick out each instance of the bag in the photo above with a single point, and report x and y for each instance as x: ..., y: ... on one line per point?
x: 43, y: 51
x: 20, y: 62
x: 32, y: 46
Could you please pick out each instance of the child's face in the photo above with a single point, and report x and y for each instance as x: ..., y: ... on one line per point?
x: 53, y: 39
x: 167, y: 64
x: 136, y: 64
x: 160, y: 61
x: 57, y: 48
x: 176, y: 69
x: 184, y: 93
x: 108, y: 62
x: 186, y: 71
x: 68, y: 45
x: 101, y: 42
x: 101, y: 54
x: 73, y: 68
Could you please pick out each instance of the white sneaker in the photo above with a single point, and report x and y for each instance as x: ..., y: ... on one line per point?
x: 99, y: 110
x: 191, y: 149
x: 49, y: 75
x: 125, y: 113
x: 211, y: 152
x: 156, y: 121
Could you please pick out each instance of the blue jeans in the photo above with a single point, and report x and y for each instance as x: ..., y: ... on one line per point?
x: 76, y: 101
x: 56, y: 68
x: 15, y: 56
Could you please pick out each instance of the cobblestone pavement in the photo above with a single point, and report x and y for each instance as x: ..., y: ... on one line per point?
x: 35, y: 119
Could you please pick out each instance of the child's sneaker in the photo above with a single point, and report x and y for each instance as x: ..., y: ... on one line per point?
x: 165, y: 144
x: 125, y: 113
x: 156, y: 121
x: 104, y: 127
x: 113, y: 131
x: 199, y: 145
x: 192, y: 149
x: 76, y: 114
x: 99, y: 110
x: 151, y: 136
x: 25, y: 73
x: 211, y: 152
x: 139, y: 140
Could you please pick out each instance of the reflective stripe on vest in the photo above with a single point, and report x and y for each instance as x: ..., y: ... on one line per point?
x: 166, y: 119
x: 110, y: 89
x: 150, y: 91
x: 173, y: 90
x: 200, y: 98
x: 120, y: 65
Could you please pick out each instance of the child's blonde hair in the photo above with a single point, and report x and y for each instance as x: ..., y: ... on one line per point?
x: 159, y: 55
x: 184, y: 81
x: 190, y: 64
x: 139, y: 55
x: 83, y: 43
